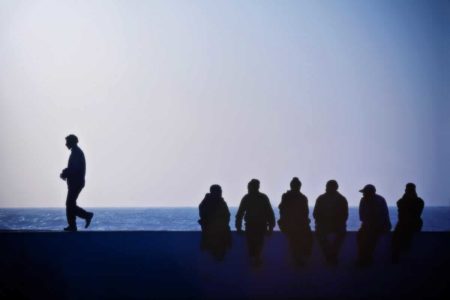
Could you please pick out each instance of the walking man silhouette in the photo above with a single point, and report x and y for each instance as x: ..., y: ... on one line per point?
x: 74, y: 175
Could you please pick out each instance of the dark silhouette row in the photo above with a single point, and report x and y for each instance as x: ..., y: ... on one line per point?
x: 330, y: 215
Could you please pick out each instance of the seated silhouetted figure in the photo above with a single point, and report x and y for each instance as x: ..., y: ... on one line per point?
x: 330, y: 215
x: 410, y: 208
x: 214, y: 221
x: 374, y: 216
x: 294, y: 222
x: 259, y: 218
x: 74, y: 175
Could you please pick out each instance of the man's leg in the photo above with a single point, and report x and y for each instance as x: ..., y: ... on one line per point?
x: 396, y: 244
x: 250, y: 236
x: 295, y: 246
x: 367, y: 241
x: 71, y: 204
x: 308, y: 242
x: 255, y: 240
x: 372, y: 244
x: 81, y: 213
x: 336, y: 246
x: 361, y: 238
x: 322, y: 238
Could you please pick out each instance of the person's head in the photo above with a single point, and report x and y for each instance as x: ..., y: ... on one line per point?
x: 216, y: 190
x: 295, y: 184
x: 253, y: 186
x: 332, y: 186
x: 368, y: 191
x: 71, y: 141
x: 410, y: 189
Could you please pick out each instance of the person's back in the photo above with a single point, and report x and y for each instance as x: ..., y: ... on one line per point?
x: 258, y: 211
x: 76, y: 170
x: 294, y: 211
x: 214, y: 213
x: 374, y: 213
x: 410, y: 208
x: 331, y: 212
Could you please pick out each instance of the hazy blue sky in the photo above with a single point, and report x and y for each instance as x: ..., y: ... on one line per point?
x: 169, y: 97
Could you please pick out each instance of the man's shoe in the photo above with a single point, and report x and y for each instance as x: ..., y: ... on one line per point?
x: 88, y: 220
x: 70, y: 229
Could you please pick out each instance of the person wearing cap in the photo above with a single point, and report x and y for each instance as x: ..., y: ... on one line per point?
x: 214, y: 221
x: 374, y: 216
x: 294, y: 221
x: 74, y: 175
x: 410, y: 208
x: 330, y: 215
x: 259, y: 218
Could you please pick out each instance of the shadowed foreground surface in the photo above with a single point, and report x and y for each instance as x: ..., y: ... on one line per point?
x: 114, y: 265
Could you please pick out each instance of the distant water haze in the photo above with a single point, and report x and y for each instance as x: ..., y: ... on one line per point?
x: 169, y: 97
x: 168, y: 219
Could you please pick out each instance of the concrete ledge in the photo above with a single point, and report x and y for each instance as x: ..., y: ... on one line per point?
x: 142, y: 264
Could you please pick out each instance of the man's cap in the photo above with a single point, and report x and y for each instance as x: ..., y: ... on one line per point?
x: 368, y: 188
x: 72, y: 138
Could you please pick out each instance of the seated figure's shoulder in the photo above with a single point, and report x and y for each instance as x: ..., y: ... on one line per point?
x: 303, y: 197
x: 420, y: 200
x: 245, y: 199
x: 204, y: 201
x: 342, y: 198
x: 264, y: 196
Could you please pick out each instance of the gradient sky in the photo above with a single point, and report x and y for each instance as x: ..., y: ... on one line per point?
x: 169, y: 97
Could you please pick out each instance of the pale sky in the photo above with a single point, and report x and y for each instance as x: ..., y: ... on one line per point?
x: 169, y: 97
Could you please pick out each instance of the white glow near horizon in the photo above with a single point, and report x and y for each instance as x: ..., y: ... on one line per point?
x: 170, y: 97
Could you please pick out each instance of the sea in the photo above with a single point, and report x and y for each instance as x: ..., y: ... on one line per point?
x: 168, y: 219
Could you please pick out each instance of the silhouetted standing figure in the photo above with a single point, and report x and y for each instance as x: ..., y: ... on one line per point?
x: 410, y: 208
x: 330, y: 215
x: 374, y: 216
x: 74, y: 174
x: 294, y: 222
x: 259, y: 218
x: 214, y: 221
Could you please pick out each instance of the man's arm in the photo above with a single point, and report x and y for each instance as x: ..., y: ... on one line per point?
x: 388, y: 224
x: 240, y: 214
x: 362, y: 210
x: 270, y: 215
x: 317, y: 210
x: 202, y: 211
x: 344, y: 209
